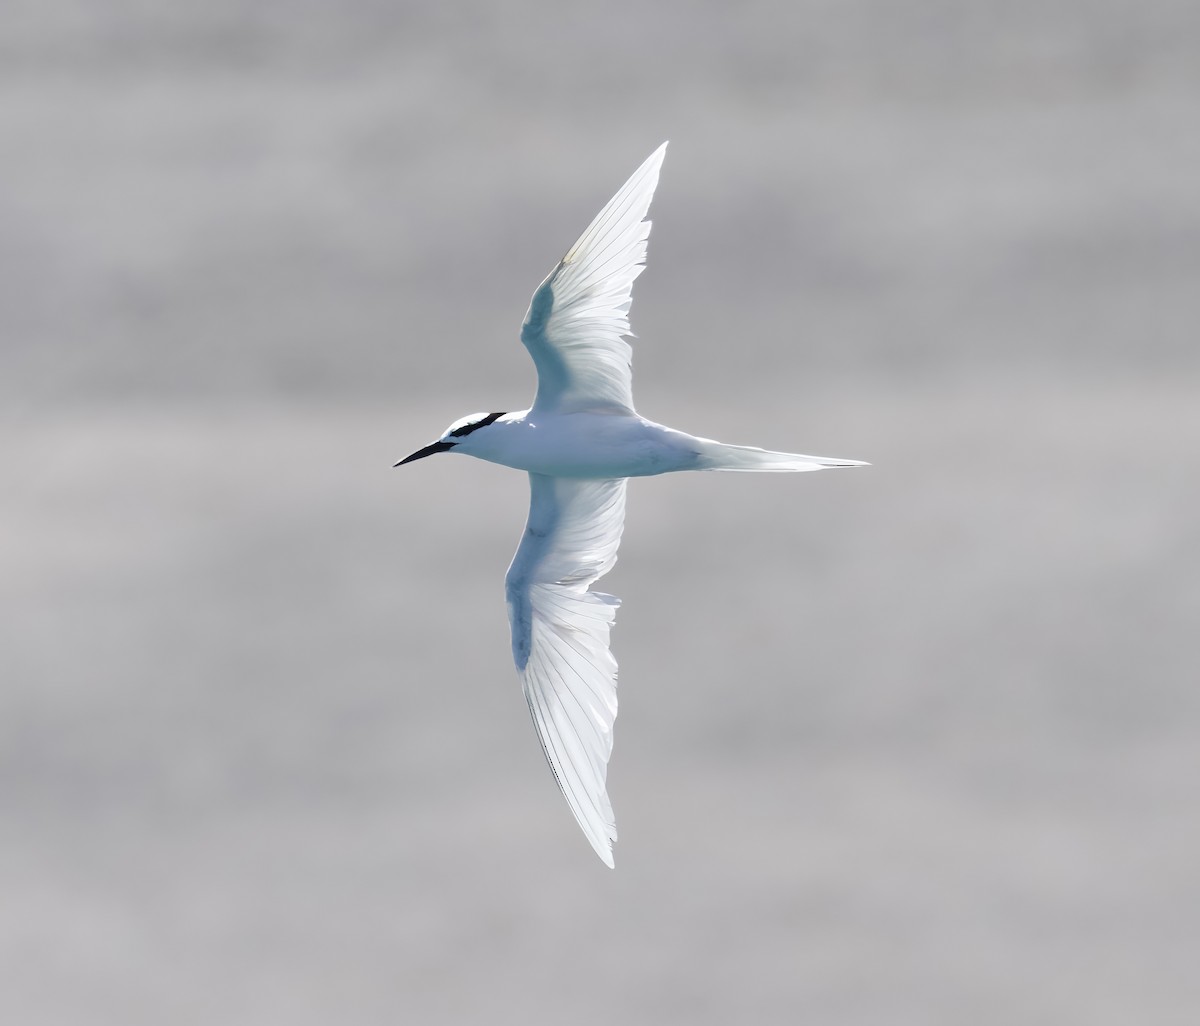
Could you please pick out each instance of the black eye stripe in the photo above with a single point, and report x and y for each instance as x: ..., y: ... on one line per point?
x: 466, y: 429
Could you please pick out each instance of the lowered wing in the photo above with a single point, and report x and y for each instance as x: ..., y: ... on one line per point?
x: 577, y: 317
x: 560, y: 637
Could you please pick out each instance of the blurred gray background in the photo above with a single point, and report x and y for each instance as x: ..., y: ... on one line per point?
x: 918, y: 744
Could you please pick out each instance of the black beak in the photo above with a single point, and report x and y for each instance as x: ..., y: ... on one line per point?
x: 429, y: 450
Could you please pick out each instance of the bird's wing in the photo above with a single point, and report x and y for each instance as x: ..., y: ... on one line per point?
x: 578, y: 314
x: 560, y: 636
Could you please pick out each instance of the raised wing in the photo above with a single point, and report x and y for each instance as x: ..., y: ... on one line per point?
x: 578, y: 314
x: 560, y: 637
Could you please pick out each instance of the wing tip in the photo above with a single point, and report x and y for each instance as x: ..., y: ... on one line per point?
x: 604, y: 850
x: 656, y: 158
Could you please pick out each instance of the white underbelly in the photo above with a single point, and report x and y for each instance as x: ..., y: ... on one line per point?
x: 591, y: 445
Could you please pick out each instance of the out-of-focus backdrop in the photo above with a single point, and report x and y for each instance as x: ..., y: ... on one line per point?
x: 918, y: 744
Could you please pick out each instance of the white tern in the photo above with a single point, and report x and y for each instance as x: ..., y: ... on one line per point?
x: 579, y: 442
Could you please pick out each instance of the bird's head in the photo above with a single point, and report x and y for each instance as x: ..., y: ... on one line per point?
x: 454, y: 435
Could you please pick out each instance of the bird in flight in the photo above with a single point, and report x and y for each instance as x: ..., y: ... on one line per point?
x: 579, y: 442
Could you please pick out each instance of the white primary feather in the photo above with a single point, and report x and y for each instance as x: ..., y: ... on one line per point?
x: 577, y: 317
x: 560, y: 637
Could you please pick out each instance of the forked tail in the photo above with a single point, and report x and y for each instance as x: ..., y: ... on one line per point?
x: 719, y: 456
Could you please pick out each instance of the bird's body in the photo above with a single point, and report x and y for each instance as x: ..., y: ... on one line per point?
x: 583, y: 444
x: 579, y: 442
x: 612, y: 444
